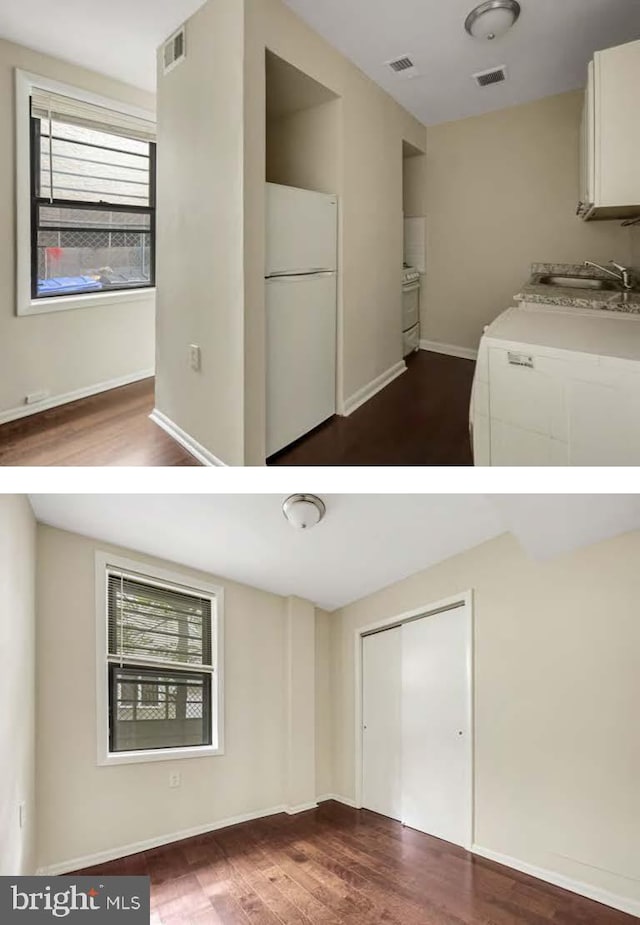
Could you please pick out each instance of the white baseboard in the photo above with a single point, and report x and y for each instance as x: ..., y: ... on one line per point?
x: 25, y: 411
x: 114, y: 854
x: 301, y: 808
x: 450, y: 350
x: 337, y: 799
x: 192, y: 446
x: 365, y: 394
x: 624, y: 904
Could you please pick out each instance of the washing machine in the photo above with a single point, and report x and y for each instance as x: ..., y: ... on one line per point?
x: 558, y: 386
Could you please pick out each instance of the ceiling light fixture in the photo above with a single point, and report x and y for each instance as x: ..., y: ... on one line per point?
x: 493, y: 18
x: 304, y: 511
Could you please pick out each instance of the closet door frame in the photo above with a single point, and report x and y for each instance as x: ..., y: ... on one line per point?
x: 459, y: 600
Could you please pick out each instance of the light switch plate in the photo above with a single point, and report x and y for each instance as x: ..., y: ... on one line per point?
x: 195, y: 358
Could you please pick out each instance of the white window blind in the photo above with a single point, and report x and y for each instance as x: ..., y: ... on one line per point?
x: 153, y: 624
x: 45, y: 104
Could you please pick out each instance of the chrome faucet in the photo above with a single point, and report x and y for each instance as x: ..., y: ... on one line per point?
x: 623, y: 275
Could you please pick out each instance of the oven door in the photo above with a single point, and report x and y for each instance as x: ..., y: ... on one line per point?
x: 410, y: 306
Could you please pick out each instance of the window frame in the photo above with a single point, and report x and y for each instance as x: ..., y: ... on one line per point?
x: 156, y: 576
x: 26, y: 304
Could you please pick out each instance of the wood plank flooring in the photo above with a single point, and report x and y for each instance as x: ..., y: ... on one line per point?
x: 339, y: 866
x: 109, y: 429
x: 421, y: 419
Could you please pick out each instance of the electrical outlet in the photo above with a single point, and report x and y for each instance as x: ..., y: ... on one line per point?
x: 195, y: 358
x: 174, y: 780
x: 36, y: 397
x: 22, y: 814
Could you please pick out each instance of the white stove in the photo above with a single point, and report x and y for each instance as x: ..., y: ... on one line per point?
x: 411, y: 287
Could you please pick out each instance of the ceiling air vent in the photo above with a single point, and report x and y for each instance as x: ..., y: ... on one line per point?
x: 174, y: 50
x: 496, y: 75
x: 403, y: 66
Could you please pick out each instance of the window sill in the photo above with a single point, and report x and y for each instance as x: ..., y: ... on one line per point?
x: 165, y: 754
x: 90, y: 300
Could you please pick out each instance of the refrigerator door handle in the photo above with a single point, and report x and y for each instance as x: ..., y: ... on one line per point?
x: 296, y: 277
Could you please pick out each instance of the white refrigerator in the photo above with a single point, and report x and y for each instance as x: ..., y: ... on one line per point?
x: 301, y: 305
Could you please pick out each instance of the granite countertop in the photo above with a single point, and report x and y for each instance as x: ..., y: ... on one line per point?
x: 603, y: 300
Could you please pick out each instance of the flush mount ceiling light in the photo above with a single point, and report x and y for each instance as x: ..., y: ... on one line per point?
x: 493, y: 18
x: 304, y: 511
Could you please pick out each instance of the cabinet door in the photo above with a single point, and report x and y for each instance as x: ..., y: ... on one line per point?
x: 617, y: 79
x: 513, y: 446
x: 604, y: 422
x: 527, y: 391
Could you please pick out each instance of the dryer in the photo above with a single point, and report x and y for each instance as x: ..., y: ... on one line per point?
x: 558, y: 386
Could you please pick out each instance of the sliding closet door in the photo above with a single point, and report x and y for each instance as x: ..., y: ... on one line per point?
x: 436, y: 733
x: 382, y: 721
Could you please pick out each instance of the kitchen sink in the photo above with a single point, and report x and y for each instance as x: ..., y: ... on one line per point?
x: 579, y: 282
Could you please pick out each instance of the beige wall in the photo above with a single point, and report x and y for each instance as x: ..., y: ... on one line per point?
x: 557, y: 754
x: 17, y: 685
x: 502, y: 192
x: 87, y: 809
x: 303, y: 148
x: 415, y: 186
x: 131, y: 804
x: 301, y: 704
x: 324, y: 704
x: 61, y: 352
x: 200, y: 220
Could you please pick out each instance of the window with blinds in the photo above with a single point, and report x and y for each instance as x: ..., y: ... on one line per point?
x: 160, y: 665
x: 93, y: 198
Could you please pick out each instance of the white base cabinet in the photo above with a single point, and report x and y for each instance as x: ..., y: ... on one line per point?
x: 554, y: 388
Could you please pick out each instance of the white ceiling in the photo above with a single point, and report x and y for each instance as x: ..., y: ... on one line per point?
x: 546, y: 52
x: 551, y: 525
x: 118, y: 38
x: 365, y: 543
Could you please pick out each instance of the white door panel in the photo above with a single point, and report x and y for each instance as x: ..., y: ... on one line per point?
x: 301, y: 356
x: 381, y: 714
x: 605, y: 423
x: 302, y: 229
x: 436, y: 725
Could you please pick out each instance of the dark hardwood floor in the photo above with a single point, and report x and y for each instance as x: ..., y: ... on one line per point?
x: 339, y: 866
x: 109, y: 429
x: 421, y: 419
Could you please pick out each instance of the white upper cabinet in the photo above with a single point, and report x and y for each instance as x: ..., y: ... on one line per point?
x: 610, y: 156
